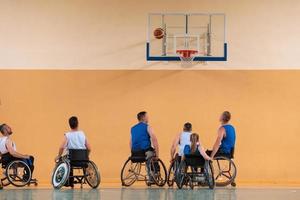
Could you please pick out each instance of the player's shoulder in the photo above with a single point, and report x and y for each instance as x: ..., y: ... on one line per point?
x: 81, y: 132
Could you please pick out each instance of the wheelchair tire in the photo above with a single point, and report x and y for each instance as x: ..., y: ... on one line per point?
x: 180, y: 174
x: 60, y: 174
x: 133, y: 170
x: 14, y: 176
x: 229, y: 174
x: 209, y: 175
x: 94, y: 179
x: 171, y: 174
x: 160, y: 176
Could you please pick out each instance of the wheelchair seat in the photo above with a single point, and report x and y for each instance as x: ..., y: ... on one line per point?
x: 194, y: 160
x: 226, y: 155
x: 78, y: 157
x: 138, y: 156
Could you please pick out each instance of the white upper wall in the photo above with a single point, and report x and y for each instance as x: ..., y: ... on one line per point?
x: 111, y: 34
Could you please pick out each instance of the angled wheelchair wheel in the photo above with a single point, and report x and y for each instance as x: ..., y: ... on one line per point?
x: 224, y: 171
x: 158, y: 171
x: 180, y: 174
x: 209, y: 175
x: 92, y: 175
x: 60, y: 174
x: 171, y: 174
x: 18, y: 173
x: 130, y: 173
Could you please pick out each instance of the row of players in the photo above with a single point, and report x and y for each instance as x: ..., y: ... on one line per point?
x: 142, y: 139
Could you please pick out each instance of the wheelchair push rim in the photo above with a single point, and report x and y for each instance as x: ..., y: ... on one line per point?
x: 224, y: 170
x: 158, y: 171
x: 60, y: 174
x: 18, y: 173
x: 130, y: 172
x: 92, y: 175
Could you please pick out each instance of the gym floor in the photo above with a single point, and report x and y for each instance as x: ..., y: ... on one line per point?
x: 155, y: 193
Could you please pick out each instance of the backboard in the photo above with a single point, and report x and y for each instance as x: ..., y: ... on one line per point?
x: 203, y: 32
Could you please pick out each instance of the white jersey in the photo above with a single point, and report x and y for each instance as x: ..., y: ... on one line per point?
x: 3, y: 148
x: 184, y: 140
x: 75, y: 140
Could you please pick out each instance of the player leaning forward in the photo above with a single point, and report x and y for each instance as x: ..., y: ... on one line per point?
x: 8, y: 149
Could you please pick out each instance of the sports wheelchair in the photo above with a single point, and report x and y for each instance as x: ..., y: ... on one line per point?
x: 16, y: 172
x: 138, y: 168
x: 193, y: 170
x: 77, y: 159
x: 224, y: 169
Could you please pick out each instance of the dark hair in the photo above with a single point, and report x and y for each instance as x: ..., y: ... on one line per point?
x: 73, y: 122
x: 2, y: 128
x: 226, y: 116
x: 140, y: 115
x: 187, y: 127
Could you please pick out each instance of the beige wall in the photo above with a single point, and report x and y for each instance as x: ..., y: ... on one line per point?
x: 111, y: 34
x: 264, y: 104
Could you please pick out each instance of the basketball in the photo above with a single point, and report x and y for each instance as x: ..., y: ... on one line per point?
x: 159, y: 33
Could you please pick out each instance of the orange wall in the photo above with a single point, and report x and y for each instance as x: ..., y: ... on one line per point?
x: 264, y: 104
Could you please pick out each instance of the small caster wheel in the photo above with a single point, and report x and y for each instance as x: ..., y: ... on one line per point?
x: 233, y: 184
x: 148, y: 184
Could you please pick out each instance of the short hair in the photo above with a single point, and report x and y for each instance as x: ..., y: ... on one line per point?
x: 226, y: 116
x: 73, y: 122
x: 187, y: 126
x: 140, y: 115
x: 2, y: 128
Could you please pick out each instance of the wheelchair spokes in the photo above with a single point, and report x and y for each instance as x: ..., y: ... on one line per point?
x: 158, y: 172
x: 60, y: 174
x: 225, y: 171
x: 92, y: 175
x: 130, y: 172
x: 18, y: 173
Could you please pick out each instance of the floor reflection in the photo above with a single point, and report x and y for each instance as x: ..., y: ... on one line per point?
x: 151, y: 194
x: 164, y: 194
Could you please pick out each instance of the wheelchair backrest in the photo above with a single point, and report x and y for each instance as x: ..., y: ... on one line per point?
x: 232, y: 153
x: 194, y: 160
x: 78, y: 155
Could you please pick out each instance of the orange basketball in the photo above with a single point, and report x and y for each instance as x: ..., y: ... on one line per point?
x: 159, y: 33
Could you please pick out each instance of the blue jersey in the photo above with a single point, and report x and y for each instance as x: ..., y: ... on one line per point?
x: 228, y: 142
x: 187, y: 150
x: 140, y: 138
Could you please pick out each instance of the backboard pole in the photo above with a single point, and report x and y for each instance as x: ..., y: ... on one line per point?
x: 164, y: 39
x: 186, y: 45
x: 209, y: 37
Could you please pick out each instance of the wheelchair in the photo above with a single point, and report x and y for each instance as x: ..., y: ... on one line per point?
x: 16, y: 173
x: 137, y: 168
x: 172, y: 170
x: 224, y: 169
x: 193, y: 170
x: 77, y: 159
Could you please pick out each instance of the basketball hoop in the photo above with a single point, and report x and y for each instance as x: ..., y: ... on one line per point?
x: 186, y: 56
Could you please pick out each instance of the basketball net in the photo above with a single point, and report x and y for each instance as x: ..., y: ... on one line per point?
x: 186, y: 56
